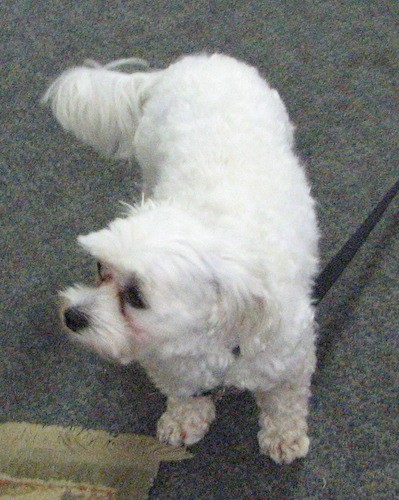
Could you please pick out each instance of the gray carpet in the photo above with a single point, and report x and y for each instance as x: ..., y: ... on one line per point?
x: 335, y: 64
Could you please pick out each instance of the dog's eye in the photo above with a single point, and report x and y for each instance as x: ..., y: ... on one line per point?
x: 133, y: 296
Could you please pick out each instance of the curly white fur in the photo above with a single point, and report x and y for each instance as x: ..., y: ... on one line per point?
x: 223, y: 251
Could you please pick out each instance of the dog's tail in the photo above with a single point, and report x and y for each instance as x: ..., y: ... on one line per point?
x: 100, y: 105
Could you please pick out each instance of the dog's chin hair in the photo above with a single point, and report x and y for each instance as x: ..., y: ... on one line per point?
x: 100, y: 349
x: 105, y: 348
x: 99, y: 106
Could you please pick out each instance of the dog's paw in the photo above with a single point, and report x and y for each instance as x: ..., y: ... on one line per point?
x: 186, y: 422
x: 284, y: 447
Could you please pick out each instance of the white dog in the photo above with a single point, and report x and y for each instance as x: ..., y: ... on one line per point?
x: 222, y: 252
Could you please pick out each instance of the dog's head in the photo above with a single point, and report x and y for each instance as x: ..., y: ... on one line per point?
x: 165, y: 282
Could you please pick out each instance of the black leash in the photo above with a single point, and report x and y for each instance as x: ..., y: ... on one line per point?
x: 338, y: 264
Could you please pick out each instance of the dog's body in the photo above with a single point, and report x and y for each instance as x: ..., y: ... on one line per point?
x: 221, y: 254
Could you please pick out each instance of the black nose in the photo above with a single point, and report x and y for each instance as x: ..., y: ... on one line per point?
x: 75, y: 319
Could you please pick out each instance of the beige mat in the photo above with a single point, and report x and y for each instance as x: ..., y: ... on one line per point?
x: 54, y: 462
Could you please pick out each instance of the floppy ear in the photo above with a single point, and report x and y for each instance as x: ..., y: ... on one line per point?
x: 108, y: 244
x: 246, y: 308
x: 100, y: 244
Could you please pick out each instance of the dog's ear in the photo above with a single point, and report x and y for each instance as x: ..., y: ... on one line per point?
x: 246, y: 307
x: 100, y: 244
x: 111, y: 244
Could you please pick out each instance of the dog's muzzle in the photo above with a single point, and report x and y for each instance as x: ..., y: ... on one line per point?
x: 75, y: 319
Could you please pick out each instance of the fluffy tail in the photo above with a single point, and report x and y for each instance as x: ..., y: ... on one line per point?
x: 101, y: 106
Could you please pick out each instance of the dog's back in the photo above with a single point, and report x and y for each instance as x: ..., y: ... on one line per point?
x: 216, y: 138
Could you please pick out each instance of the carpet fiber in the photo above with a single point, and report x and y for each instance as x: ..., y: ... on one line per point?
x: 335, y: 63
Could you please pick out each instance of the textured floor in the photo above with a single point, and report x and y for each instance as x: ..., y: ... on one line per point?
x: 335, y: 64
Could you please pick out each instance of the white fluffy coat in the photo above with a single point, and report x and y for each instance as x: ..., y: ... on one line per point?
x: 224, y: 244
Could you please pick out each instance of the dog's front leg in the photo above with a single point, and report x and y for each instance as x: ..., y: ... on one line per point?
x: 283, y: 412
x: 186, y: 420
